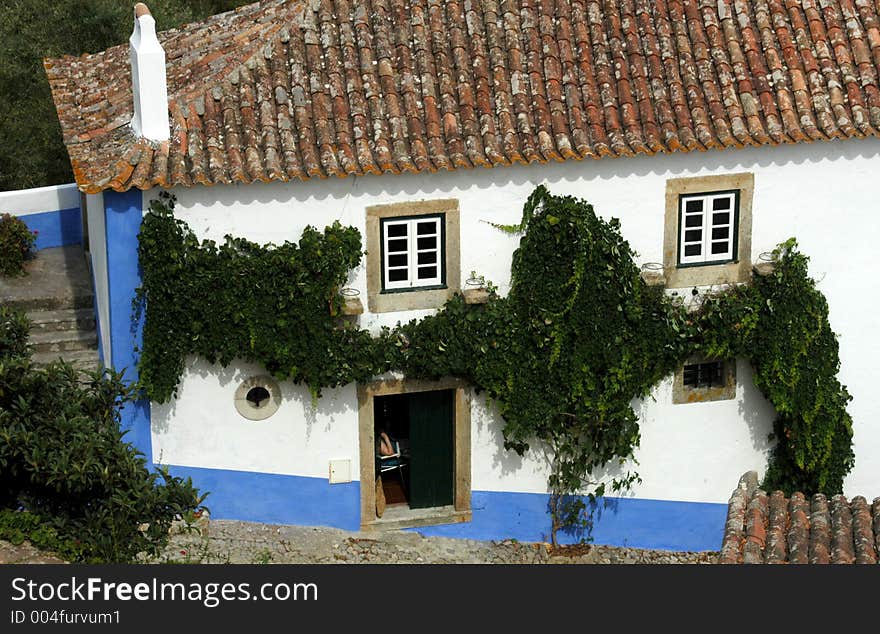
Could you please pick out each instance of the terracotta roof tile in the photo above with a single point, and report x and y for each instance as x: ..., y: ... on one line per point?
x: 775, y: 530
x: 297, y: 89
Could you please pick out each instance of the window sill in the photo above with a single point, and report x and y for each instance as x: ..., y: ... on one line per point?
x: 708, y: 274
x: 415, y: 289
x: 409, y: 299
x: 691, y: 265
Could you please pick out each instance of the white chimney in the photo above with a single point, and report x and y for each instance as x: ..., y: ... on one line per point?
x: 149, y: 87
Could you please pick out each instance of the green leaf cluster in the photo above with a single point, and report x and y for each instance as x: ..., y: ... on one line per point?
x: 64, y: 460
x: 238, y: 300
x: 578, y: 338
x: 14, y: 328
x: 18, y: 526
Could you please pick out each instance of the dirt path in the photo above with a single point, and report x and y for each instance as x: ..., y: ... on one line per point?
x: 242, y: 542
x: 221, y: 541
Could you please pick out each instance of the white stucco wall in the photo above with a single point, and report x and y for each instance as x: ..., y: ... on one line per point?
x: 202, y: 428
x: 821, y: 193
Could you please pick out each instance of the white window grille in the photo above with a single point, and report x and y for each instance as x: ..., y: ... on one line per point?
x: 412, y: 252
x: 707, y: 231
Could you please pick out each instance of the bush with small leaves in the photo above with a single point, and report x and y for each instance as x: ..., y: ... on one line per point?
x: 14, y: 327
x: 64, y: 458
x: 16, y: 244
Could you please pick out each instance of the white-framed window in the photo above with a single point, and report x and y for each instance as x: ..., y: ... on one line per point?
x: 708, y: 227
x: 413, y: 251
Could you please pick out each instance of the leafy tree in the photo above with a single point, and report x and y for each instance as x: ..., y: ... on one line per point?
x: 32, y: 153
x: 68, y: 478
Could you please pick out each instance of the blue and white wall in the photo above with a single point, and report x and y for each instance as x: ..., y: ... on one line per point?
x: 53, y: 212
x: 94, y: 212
x: 691, y: 456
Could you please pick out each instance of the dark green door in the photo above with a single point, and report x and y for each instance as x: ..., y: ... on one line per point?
x: 432, y: 456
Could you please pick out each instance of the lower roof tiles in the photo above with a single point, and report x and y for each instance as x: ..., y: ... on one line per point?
x: 773, y: 529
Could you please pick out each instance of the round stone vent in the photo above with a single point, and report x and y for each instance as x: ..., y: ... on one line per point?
x: 258, y: 398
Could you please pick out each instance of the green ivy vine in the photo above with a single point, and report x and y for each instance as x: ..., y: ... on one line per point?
x: 780, y: 322
x: 239, y: 300
x: 577, y: 339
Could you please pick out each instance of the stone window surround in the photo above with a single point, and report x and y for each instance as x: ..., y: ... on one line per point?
x: 461, y: 509
x: 383, y: 302
x: 682, y: 394
x: 688, y: 276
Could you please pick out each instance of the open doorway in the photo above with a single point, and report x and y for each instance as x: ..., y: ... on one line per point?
x: 424, y: 478
x: 416, y: 463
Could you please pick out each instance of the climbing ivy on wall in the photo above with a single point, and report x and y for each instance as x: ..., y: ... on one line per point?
x: 578, y: 337
x: 239, y: 300
x: 563, y: 355
x: 780, y: 322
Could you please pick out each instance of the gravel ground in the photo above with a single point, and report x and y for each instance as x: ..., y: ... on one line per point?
x: 221, y: 541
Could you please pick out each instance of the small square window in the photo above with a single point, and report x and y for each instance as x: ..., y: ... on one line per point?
x: 412, y: 252
x: 704, y: 374
x: 708, y: 228
x: 701, y: 380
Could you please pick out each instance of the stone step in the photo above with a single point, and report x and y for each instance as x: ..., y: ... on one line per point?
x: 57, y: 278
x: 64, y: 341
x: 59, y: 320
x: 49, y: 303
x: 84, y: 359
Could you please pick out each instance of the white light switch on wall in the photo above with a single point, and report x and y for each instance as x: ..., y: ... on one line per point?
x: 340, y: 471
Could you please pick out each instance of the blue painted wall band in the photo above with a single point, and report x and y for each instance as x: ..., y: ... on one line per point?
x: 631, y: 522
x: 123, y: 214
x: 55, y: 228
x: 497, y: 515
x: 276, y: 499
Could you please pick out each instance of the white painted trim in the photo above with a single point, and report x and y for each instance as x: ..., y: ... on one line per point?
x: 706, y: 228
x: 412, y: 252
x: 94, y: 213
x: 22, y: 202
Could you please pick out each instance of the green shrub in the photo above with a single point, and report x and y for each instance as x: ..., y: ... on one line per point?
x: 14, y: 327
x: 64, y: 458
x: 16, y: 244
x: 16, y: 526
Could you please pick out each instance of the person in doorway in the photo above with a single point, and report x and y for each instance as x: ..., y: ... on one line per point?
x: 384, y: 445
